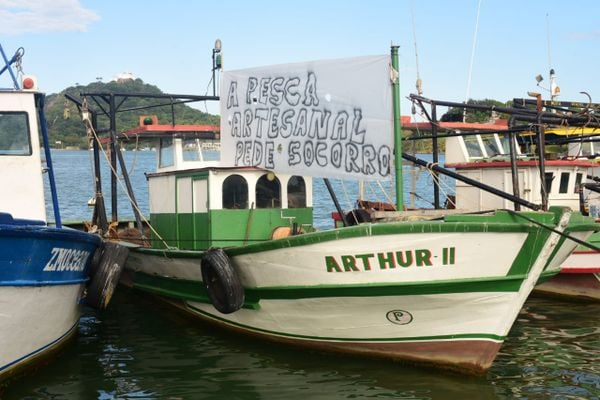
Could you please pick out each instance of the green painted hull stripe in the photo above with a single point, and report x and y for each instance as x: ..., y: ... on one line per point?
x: 461, y: 336
x: 195, y: 291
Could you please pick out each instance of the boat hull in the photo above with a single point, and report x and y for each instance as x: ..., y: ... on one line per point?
x: 579, y: 278
x: 579, y: 284
x: 43, y: 272
x: 432, y: 293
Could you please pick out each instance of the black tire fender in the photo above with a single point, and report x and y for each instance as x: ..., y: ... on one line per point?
x: 105, y: 275
x: 222, y: 283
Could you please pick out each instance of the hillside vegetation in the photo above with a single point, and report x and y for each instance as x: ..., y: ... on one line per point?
x: 67, y: 130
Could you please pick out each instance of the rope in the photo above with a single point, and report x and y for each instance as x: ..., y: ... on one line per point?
x: 565, y: 235
x: 90, y: 128
x: 444, y: 187
x: 472, y: 58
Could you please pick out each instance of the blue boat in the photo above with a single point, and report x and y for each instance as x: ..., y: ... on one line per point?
x: 44, y: 269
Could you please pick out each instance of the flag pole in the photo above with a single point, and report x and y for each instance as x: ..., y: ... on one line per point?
x: 397, y: 130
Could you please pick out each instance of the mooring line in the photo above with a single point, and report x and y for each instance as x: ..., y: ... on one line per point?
x: 566, y: 235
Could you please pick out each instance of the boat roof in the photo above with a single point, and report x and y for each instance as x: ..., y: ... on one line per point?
x: 153, y: 132
x: 482, y: 164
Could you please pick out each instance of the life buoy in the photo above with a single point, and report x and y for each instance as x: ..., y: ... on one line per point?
x: 105, y: 274
x: 224, y: 288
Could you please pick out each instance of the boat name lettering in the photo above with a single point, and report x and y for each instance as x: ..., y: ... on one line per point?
x: 389, y: 260
x: 62, y: 259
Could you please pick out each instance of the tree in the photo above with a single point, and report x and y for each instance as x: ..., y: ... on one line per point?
x: 64, y: 124
x: 455, y: 114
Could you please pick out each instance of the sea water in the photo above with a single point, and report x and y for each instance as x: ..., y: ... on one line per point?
x: 141, y: 349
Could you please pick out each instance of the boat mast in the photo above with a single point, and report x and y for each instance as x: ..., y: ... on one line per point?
x: 397, y: 130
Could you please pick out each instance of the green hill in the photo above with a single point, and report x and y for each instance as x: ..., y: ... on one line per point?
x: 67, y: 130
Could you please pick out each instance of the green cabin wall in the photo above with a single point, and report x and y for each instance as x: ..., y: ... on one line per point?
x: 222, y: 227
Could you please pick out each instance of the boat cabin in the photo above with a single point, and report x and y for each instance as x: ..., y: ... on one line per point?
x: 486, y: 158
x: 197, y: 203
x: 23, y: 188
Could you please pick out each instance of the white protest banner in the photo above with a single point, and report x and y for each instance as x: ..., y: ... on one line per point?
x: 323, y: 118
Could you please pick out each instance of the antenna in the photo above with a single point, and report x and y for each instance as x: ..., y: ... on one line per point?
x: 548, y: 40
x: 554, y: 88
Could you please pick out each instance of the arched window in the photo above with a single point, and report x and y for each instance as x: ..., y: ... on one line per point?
x: 235, y: 192
x: 268, y: 192
x: 296, y: 189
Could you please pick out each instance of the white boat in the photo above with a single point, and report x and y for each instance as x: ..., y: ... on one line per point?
x: 44, y: 269
x: 484, y: 156
x: 233, y: 242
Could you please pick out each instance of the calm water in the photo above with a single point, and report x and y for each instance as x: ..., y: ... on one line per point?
x: 140, y: 349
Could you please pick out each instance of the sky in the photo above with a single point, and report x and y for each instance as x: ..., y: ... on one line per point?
x: 465, y: 48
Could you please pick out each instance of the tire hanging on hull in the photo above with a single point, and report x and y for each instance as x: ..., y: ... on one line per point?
x: 222, y: 283
x: 107, y: 265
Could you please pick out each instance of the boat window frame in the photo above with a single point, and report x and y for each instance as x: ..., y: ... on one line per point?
x: 231, y: 205
x: 25, y: 152
x: 298, y: 197
x: 548, y: 180
x: 266, y: 201
x: 563, y: 187
x: 578, y: 180
x: 163, y: 150
x: 492, y: 141
x: 473, y: 142
x: 197, y: 151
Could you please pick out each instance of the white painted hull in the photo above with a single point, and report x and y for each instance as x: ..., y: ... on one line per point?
x: 451, y: 311
x: 579, y: 278
x: 35, y: 320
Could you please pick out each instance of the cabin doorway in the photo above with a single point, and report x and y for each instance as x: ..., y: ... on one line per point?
x: 192, y: 213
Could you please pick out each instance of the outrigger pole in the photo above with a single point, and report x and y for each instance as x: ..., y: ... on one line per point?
x: 469, y: 181
x: 397, y: 130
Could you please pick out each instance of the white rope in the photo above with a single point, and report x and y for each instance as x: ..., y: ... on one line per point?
x: 472, y: 58
x: 442, y: 185
x: 419, y: 83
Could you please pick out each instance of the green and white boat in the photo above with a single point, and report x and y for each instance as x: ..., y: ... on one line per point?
x: 233, y: 241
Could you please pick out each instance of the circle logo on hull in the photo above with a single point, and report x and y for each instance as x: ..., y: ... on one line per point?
x: 399, y: 317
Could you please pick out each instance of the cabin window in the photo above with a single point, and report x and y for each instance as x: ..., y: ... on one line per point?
x: 564, y: 182
x: 192, y: 150
x: 165, y: 157
x: 578, y: 178
x: 491, y: 146
x: 549, y: 177
x: 14, y: 134
x: 473, y: 148
x: 268, y: 191
x: 505, y: 143
x: 235, y: 192
x: 296, y: 190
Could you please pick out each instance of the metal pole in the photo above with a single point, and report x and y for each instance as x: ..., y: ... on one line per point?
x: 44, y: 131
x: 541, y: 151
x: 134, y: 205
x: 436, y: 177
x: 335, y: 201
x: 513, y: 168
x: 99, y: 217
x: 113, y: 158
x: 397, y: 130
